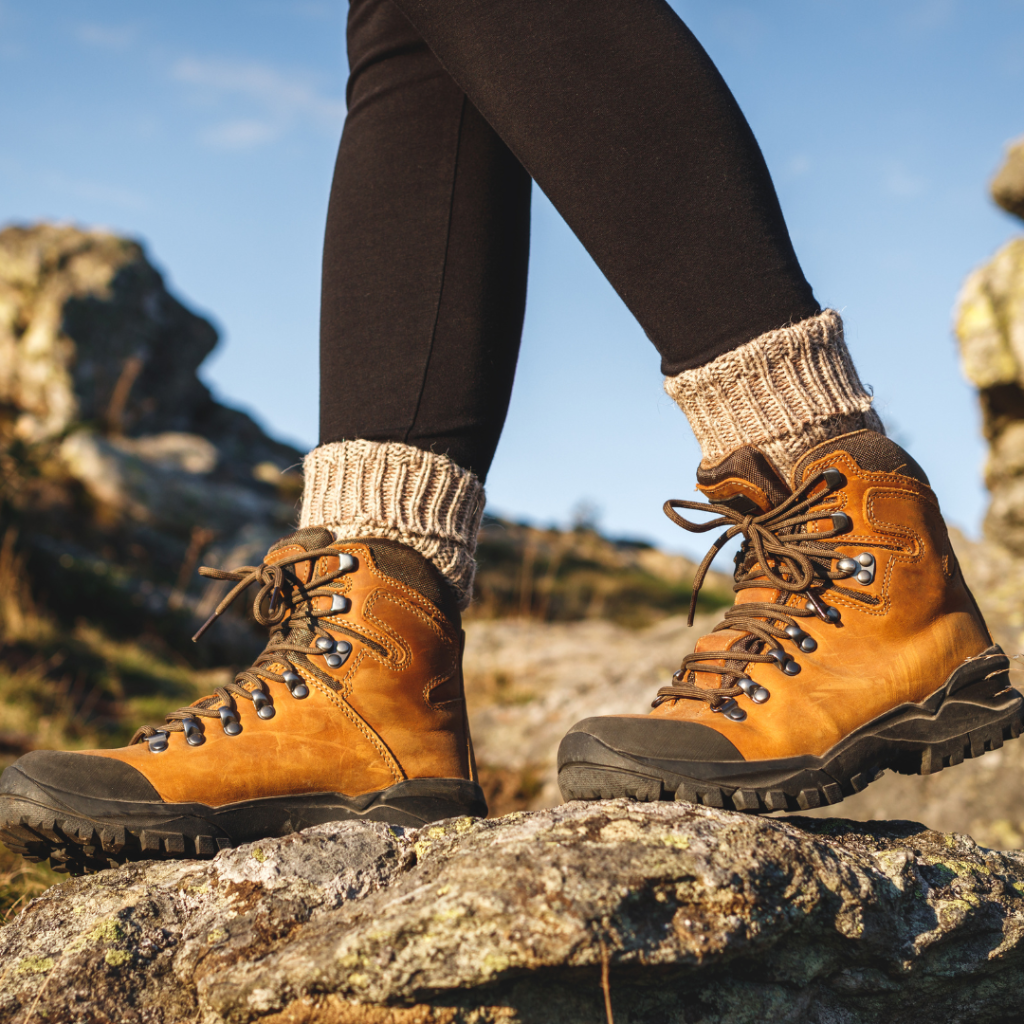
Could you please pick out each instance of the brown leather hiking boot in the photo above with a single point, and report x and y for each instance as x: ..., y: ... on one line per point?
x: 355, y: 709
x: 854, y: 646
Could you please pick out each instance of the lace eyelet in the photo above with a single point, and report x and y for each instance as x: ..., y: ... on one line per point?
x: 754, y: 690
x: 866, y: 575
x: 158, y: 742
x: 823, y: 611
x: 833, y: 478
x: 841, y: 522
x: 731, y: 710
x: 264, y: 709
x: 804, y: 641
x: 297, y: 687
x: 193, y: 733
x: 342, y: 649
x: 229, y: 721
x: 339, y: 604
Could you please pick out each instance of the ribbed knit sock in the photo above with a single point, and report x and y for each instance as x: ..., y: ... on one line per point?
x: 784, y: 392
x: 367, y: 489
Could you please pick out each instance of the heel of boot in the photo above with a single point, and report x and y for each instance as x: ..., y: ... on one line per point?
x: 975, y: 712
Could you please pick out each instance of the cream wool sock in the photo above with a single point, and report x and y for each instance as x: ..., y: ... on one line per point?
x: 783, y: 392
x: 366, y: 489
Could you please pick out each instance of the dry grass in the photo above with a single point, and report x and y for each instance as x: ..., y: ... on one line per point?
x: 21, y: 881
x: 568, y: 575
x: 67, y: 688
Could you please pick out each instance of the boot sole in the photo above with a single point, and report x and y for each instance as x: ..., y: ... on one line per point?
x: 81, y: 836
x: 973, y: 712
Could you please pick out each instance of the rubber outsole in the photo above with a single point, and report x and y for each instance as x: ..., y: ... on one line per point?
x: 974, y: 711
x: 79, y: 842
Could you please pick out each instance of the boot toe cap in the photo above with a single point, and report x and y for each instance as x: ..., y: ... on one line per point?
x: 650, y: 739
x: 44, y: 774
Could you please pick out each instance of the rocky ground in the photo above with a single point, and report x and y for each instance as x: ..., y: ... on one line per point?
x: 679, y: 914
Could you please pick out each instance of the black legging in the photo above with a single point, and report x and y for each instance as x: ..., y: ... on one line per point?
x: 621, y: 118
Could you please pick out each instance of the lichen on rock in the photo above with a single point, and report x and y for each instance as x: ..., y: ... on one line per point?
x: 701, y: 915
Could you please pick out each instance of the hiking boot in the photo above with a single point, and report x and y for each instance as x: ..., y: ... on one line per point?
x: 854, y: 646
x: 354, y: 710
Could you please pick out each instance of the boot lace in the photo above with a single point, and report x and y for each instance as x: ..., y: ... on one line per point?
x: 777, y: 554
x: 284, y: 604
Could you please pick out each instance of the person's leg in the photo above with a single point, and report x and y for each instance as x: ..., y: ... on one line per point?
x: 625, y: 123
x: 424, y: 289
x: 425, y: 255
x: 628, y: 127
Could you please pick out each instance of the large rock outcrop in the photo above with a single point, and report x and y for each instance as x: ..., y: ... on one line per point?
x: 691, y: 914
x: 120, y: 469
x: 90, y: 338
x: 1008, y: 184
x: 990, y: 328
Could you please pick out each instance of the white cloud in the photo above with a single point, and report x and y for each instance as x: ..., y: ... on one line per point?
x: 898, y: 180
x: 242, y: 133
x: 107, y: 37
x: 798, y: 165
x: 282, y: 101
x: 931, y: 15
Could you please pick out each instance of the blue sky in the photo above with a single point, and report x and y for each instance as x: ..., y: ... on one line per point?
x: 209, y: 130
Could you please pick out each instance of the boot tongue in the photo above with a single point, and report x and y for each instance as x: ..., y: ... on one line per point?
x: 309, y: 539
x: 744, y: 480
x: 869, y: 449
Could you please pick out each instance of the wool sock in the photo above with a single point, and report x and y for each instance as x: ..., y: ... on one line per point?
x: 366, y: 489
x: 784, y: 392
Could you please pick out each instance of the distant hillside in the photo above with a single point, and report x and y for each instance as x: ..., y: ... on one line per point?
x: 567, y: 575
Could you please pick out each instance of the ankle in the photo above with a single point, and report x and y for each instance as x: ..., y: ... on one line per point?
x: 784, y: 392
x: 393, y: 491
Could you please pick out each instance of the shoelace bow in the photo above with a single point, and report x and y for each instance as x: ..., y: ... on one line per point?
x: 282, y: 596
x: 777, y: 554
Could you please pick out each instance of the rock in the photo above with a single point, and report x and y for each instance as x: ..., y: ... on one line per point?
x: 1008, y: 184
x: 117, y: 461
x: 552, y: 575
x: 164, y: 481
x: 528, y: 683
x: 90, y: 335
x: 990, y: 328
x: 700, y: 915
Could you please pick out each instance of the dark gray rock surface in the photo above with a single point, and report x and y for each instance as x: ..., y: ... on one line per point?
x: 702, y: 916
x: 116, y: 462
